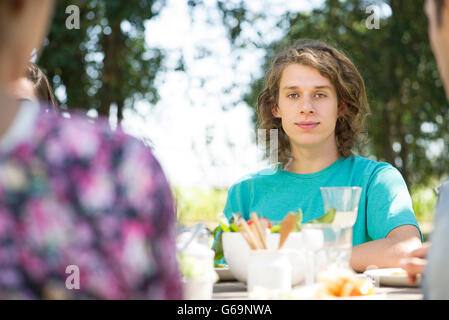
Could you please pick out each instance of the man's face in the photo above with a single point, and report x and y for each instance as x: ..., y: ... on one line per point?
x: 439, y: 39
x: 307, y: 106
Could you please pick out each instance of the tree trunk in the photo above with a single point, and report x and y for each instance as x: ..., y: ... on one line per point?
x: 110, y: 91
x: 120, y: 107
x: 404, y: 149
x: 388, y: 152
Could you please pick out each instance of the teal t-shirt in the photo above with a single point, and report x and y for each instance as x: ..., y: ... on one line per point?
x: 385, y: 202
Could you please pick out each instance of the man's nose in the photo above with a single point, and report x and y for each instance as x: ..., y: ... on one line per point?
x: 306, y: 106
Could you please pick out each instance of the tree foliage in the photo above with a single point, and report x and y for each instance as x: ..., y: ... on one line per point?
x: 105, y: 61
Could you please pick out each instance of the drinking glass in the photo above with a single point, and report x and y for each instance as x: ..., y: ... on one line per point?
x: 329, y: 244
x: 345, y: 200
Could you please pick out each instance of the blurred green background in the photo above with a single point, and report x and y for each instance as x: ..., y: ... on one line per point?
x: 196, y: 204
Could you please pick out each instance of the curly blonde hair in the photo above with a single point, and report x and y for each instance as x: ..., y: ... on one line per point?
x: 341, y: 72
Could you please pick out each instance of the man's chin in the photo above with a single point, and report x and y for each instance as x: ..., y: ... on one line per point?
x: 309, y: 143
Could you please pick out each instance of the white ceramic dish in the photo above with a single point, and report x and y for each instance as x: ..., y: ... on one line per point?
x: 236, y: 252
x: 224, y: 274
x: 395, y: 277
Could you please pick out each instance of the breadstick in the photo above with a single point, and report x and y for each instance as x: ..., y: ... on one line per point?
x: 246, y: 232
x: 258, y: 228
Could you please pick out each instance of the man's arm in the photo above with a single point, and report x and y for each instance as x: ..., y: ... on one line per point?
x: 388, y: 252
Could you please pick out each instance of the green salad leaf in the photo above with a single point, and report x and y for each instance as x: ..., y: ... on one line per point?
x: 233, y: 228
x: 276, y: 228
x: 217, y: 235
x: 327, y: 218
x: 218, y: 244
x: 298, y: 221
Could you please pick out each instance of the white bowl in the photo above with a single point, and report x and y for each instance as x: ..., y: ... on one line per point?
x: 236, y: 252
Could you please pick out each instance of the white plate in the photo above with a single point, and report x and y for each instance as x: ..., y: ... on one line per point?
x: 395, y: 277
x: 224, y: 273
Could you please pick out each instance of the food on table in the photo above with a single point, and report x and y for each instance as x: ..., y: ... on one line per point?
x: 232, y: 227
x: 264, y: 226
x: 287, y: 226
x: 327, y: 218
x: 344, y: 284
x: 250, y: 222
x: 399, y: 272
x: 277, y: 228
x: 251, y: 236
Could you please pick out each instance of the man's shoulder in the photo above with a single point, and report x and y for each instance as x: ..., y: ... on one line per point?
x: 266, y: 175
x: 371, y: 167
x: 370, y: 163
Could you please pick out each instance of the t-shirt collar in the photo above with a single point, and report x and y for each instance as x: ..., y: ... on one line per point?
x: 312, y: 175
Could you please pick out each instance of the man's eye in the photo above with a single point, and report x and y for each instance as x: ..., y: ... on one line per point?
x: 293, y: 95
x: 320, y: 95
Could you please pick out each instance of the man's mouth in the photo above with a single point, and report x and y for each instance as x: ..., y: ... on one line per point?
x: 307, y: 125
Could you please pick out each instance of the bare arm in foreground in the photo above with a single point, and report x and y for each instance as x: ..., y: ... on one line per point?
x: 388, y: 252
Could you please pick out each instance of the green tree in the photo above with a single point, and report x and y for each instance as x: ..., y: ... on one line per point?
x: 409, y: 108
x: 105, y: 61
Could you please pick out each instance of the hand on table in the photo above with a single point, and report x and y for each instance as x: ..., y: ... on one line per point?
x: 415, y: 262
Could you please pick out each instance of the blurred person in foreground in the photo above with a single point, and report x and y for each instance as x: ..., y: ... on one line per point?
x: 85, y: 212
x: 433, y: 258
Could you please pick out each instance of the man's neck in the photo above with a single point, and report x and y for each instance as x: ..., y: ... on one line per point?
x: 311, y: 160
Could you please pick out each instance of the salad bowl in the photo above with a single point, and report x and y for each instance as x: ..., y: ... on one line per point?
x: 237, y: 254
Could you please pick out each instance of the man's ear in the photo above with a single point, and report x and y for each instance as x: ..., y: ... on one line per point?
x: 275, y: 111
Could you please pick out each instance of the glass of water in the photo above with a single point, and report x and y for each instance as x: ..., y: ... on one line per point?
x: 345, y: 200
x: 329, y: 244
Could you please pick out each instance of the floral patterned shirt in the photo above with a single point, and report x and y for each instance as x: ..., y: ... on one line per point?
x: 85, y: 213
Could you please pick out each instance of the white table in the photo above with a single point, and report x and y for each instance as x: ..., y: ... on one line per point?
x: 234, y: 290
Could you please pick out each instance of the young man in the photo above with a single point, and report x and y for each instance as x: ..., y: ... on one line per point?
x: 433, y: 259
x: 315, y: 97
